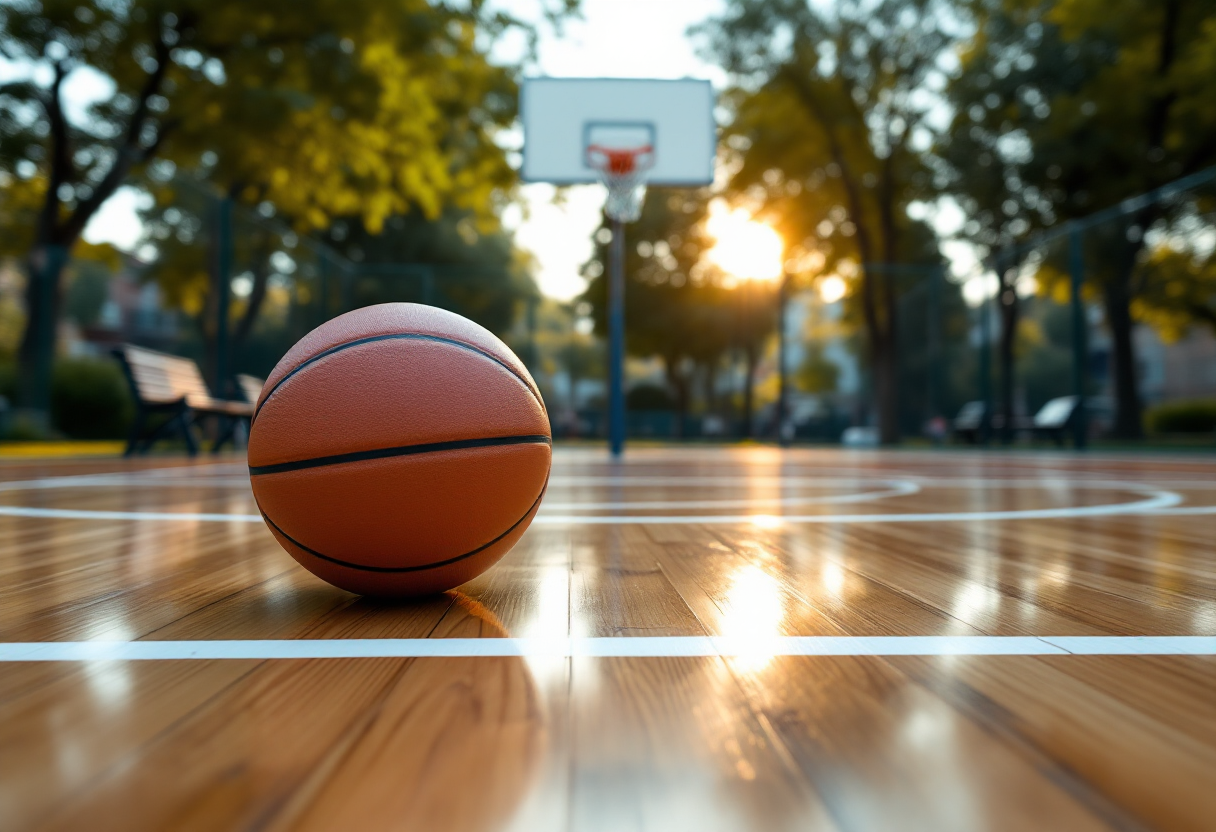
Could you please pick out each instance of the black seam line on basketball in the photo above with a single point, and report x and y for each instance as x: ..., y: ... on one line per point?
x: 393, y: 569
x: 402, y: 450
x: 399, y: 336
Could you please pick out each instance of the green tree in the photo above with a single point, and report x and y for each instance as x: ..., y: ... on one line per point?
x: 817, y: 374
x: 1064, y: 107
x: 561, y: 344
x: 832, y: 110
x: 315, y: 108
x: 1180, y: 289
x: 452, y: 261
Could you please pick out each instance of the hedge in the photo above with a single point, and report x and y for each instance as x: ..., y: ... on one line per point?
x: 1198, y: 416
x: 90, y: 399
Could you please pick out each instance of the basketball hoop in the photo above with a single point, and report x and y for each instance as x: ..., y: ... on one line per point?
x: 623, y: 172
x: 625, y: 133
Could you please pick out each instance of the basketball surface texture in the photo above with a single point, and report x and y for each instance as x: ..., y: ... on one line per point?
x: 399, y: 450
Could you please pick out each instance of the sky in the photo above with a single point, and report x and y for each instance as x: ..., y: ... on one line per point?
x: 614, y: 39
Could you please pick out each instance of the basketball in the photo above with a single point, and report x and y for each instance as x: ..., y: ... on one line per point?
x: 399, y: 450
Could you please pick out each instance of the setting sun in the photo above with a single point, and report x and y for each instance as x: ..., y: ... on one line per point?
x: 744, y: 248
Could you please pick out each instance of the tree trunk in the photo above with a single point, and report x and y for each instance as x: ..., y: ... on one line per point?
x: 886, y: 393
x: 208, y: 334
x: 679, y: 385
x: 887, y: 375
x: 40, y: 258
x: 261, y: 277
x: 751, y: 357
x: 1009, y: 326
x: 881, y: 329
x: 710, y: 380
x: 1128, y: 407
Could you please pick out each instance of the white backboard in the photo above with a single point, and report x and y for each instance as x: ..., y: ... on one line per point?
x: 562, y: 116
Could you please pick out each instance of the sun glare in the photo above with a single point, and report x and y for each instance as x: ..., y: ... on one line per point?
x: 832, y: 288
x: 744, y: 248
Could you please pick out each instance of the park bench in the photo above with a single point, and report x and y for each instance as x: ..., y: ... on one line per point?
x: 968, y: 426
x: 1057, y: 419
x: 250, y: 387
x: 173, y: 388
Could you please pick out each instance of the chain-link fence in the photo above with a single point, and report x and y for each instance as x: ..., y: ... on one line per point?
x: 1097, y: 328
x: 232, y: 287
x: 1104, y: 326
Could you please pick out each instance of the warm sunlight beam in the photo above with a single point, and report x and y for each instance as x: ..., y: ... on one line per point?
x: 744, y: 248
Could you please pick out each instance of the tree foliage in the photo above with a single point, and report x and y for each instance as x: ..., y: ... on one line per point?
x: 310, y: 108
x: 1179, y: 286
x: 321, y: 108
x: 831, y: 113
x: 448, y: 262
x: 1064, y: 107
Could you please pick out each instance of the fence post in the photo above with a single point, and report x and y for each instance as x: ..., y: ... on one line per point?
x: 428, y: 285
x: 1080, y: 351
x: 222, y: 266
x: 985, y: 428
x: 347, y: 299
x: 935, y: 344
x: 322, y: 286
x: 785, y: 429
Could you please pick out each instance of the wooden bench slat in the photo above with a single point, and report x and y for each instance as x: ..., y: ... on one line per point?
x: 159, y: 380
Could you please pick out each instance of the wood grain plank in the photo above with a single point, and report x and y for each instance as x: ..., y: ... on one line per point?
x: 753, y: 742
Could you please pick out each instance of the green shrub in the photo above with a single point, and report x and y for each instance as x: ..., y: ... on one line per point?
x: 8, y: 381
x: 22, y: 428
x: 1197, y: 416
x: 90, y: 399
x: 648, y: 397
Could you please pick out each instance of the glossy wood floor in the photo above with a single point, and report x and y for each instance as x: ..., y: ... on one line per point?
x: 765, y: 544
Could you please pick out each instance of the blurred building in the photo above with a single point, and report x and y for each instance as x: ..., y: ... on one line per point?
x: 1184, y: 369
x: 131, y: 311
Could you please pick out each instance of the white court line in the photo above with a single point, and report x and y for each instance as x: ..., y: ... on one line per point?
x: 898, y: 488
x: 1157, y: 500
x: 1188, y: 510
x: 1053, y: 479
x: 660, y: 646
x: 80, y: 514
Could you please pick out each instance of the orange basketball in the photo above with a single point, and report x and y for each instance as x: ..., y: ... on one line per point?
x: 399, y: 450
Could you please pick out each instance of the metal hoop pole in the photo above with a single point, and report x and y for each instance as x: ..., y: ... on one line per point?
x: 616, y: 340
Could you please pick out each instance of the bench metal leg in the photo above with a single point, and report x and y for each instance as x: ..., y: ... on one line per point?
x: 137, y: 429
x: 226, y: 433
x: 179, y: 423
x: 186, y: 421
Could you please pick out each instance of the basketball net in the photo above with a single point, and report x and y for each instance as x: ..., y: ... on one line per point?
x: 623, y: 172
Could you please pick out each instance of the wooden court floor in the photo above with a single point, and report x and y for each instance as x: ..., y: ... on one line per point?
x: 695, y: 639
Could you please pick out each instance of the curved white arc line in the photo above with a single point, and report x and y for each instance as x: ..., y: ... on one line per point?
x: 1160, y: 500
x: 239, y: 478
x: 694, y: 480
x: 1182, y: 511
x: 899, y: 488
x: 138, y: 480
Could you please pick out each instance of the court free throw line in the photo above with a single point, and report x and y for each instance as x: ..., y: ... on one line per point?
x: 642, y: 647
